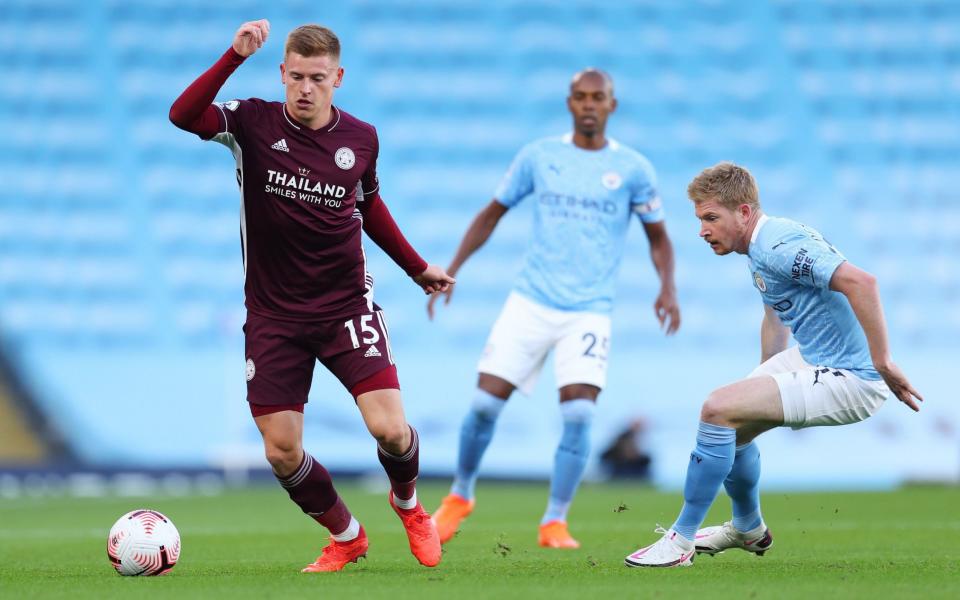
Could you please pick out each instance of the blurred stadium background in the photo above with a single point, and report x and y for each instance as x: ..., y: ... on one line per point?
x: 120, y: 269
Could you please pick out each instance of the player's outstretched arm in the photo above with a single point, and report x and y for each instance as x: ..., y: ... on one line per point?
x: 666, y: 306
x: 193, y: 111
x: 863, y: 293
x: 477, y: 235
x: 774, y: 335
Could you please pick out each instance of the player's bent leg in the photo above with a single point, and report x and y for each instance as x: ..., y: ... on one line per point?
x: 281, y: 427
x: 476, y: 432
x: 309, y: 485
x: 731, y: 413
x: 750, y: 404
x: 398, y: 449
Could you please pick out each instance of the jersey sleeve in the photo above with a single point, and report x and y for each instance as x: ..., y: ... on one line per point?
x: 807, y: 259
x: 235, y: 117
x: 369, y: 181
x: 645, y: 199
x: 518, y: 181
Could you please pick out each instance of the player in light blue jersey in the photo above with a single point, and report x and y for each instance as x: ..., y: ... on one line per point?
x: 585, y: 187
x: 839, y: 372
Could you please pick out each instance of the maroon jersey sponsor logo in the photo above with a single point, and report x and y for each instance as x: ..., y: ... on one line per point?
x: 300, y: 227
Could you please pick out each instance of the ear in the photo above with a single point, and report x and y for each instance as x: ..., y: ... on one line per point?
x: 613, y: 104
x: 746, y: 211
x: 283, y: 74
x: 339, y: 80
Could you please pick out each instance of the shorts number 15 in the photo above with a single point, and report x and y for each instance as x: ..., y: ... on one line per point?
x: 370, y: 335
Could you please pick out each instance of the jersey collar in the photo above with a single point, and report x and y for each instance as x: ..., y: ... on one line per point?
x: 335, y: 120
x: 756, y: 229
x: 611, y: 144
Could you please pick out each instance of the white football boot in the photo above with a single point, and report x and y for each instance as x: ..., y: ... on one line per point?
x: 672, y: 550
x: 716, y: 539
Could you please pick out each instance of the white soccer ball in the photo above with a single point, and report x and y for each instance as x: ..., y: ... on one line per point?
x: 143, y: 542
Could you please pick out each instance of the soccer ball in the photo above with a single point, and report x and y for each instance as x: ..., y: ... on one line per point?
x: 143, y: 542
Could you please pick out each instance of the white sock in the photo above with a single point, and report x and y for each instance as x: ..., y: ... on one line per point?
x: 407, y: 504
x: 350, y: 533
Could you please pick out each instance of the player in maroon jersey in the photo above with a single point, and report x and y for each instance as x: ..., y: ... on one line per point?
x: 308, y: 185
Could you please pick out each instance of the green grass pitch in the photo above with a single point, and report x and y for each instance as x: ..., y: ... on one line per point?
x: 252, y: 544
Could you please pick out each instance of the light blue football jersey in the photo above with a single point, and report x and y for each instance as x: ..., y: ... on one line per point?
x: 584, y: 200
x: 792, y: 265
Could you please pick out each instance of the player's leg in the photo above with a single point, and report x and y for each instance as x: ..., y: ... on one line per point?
x: 279, y: 371
x: 306, y: 481
x: 357, y: 352
x: 477, y: 429
x: 398, y: 448
x: 751, y: 405
x: 512, y: 358
x: 747, y: 529
x: 577, y: 407
x: 580, y: 367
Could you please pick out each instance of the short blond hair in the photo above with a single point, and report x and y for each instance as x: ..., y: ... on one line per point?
x: 313, y: 40
x: 728, y: 184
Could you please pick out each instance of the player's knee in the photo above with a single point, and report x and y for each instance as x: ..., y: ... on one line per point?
x: 283, y: 455
x: 391, y: 436
x: 717, y: 409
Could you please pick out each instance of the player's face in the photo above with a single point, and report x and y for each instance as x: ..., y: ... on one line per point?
x: 310, y: 81
x: 724, y: 229
x: 590, y: 102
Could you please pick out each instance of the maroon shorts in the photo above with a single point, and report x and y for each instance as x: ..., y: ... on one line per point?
x: 281, y: 354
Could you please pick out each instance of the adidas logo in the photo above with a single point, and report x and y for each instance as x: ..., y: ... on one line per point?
x: 372, y: 351
x: 281, y: 145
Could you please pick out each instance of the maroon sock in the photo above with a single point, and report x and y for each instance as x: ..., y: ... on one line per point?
x: 311, y: 487
x: 402, y: 470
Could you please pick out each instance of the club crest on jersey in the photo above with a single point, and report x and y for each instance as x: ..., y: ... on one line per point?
x: 345, y: 158
x: 232, y: 105
x: 251, y: 369
x: 759, y: 282
x: 611, y: 180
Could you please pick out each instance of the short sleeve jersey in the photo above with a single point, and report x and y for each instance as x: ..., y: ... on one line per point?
x: 792, y: 265
x: 583, y: 203
x: 300, y: 226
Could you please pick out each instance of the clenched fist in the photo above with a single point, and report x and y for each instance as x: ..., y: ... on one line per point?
x: 251, y: 36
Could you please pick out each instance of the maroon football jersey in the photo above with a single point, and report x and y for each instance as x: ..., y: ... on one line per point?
x: 299, y: 222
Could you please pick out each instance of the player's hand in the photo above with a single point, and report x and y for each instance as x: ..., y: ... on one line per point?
x: 447, y: 294
x: 667, y: 311
x: 898, y: 384
x: 251, y: 36
x: 433, y: 280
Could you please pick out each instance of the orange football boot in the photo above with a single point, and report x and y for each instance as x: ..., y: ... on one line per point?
x: 453, y: 510
x: 554, y: 534
x: 336, y: 555
x: 421, y: 533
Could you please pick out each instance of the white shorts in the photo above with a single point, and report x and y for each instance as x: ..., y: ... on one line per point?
x: 526, y: 331
x: 814, y: 395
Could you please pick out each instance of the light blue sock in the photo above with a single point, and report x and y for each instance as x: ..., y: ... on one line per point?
x: 475, y: 435
x: 710, y: 463
x: 743, y: 487
x: 571, y: 458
